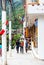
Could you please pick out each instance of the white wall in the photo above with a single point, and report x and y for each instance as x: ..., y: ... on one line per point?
x: 41, y: 37
x: 41, y: 1
x: 35, y: 9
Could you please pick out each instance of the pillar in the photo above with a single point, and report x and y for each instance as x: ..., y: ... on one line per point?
x: 24, y: 26
x: 41, y: 37
x: 4, y: 44
x: 10, y: 29
x: 10, y: 38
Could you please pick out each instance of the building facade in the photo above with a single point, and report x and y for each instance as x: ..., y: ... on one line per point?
x: 35, y: 22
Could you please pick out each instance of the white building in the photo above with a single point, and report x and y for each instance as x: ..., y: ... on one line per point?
x: 35, y: 11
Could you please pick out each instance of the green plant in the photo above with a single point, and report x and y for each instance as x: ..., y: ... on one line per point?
x: 14, y: 39
x: 17, y: 36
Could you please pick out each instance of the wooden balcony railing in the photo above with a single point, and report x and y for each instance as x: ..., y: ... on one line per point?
x: 33, y: 3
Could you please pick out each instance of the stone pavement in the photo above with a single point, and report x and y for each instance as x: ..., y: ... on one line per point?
x: 22, y: 59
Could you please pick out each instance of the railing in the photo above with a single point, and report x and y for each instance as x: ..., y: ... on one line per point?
x: 35, y: 9
x: 33, y: 3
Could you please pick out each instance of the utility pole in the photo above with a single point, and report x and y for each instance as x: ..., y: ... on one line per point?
x: 4, y: 44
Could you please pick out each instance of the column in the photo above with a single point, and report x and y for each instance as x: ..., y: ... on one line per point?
x: 10, y: 38
x: 4, y: 46
x: 24, y: 26
x: 41, y: 37
x: 10, y: 29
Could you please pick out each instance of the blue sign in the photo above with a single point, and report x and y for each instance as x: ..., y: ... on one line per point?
x: 0, y: 46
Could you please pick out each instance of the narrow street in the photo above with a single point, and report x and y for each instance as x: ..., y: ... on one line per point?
x: 22, y: 59
x: 21, y: 26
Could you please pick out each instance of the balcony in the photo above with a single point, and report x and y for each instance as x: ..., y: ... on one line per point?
x: 33, y: 3
x: 34, y: 8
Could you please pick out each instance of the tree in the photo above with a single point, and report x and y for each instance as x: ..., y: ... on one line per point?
x: 17, y: 10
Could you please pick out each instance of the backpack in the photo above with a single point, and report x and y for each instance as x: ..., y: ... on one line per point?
x: 22, y: 43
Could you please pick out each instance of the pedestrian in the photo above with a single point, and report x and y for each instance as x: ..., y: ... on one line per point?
x: 26, y: 46
x: 22, y: 46
x: 17, y: 45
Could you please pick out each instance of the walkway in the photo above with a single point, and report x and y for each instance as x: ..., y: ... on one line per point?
x: 22, y: 59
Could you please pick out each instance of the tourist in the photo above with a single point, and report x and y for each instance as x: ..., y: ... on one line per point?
x: 22, y: 46
x: 26, y: 46
x: 17, y: 45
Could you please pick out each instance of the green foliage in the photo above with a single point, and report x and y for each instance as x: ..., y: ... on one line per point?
x: 18, y: 9
x: 0, y: 24
x: 17, y: 36
x: 14, y: 39
x: 0, y: 39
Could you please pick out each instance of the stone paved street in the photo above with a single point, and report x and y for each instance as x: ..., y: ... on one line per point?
x: 22, y: 59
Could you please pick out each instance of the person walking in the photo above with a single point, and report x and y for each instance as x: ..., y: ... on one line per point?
x: 26, y: 46
x: 22, y: 46
x: 17, y: 45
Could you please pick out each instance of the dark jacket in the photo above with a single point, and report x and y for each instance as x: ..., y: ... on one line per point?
x: 17, y: 44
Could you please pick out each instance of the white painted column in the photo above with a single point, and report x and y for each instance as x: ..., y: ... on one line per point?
x: 24, y: 26
x: 4, y: 44
x: 10, y: 38
x: 10, y: 51
x: 41, y: 37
